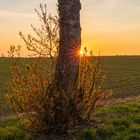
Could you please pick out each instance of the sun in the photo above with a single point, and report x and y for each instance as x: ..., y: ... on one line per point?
x: 81, y: 53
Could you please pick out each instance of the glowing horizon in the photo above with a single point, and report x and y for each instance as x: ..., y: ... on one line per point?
x: 108, y: 26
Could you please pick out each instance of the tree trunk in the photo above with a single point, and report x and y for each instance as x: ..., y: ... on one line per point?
x: 70, y: 42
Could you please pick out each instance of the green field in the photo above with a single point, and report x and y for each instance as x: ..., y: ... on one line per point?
x: 123, y: 74
x: 117, y: 122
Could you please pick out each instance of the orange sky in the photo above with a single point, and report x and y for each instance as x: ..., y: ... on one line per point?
x: 108, y: 26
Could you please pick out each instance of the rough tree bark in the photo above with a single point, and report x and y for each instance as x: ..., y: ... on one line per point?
x: 70, y: 43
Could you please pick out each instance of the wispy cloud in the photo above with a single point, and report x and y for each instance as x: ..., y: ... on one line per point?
x: 26, y: 6
x: 11, y: 14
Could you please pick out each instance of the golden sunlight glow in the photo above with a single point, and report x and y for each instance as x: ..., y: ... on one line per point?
x: 110, y: 34
x: 81, y: 52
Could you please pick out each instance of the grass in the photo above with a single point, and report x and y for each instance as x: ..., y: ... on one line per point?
x: 122, y: 75
x: 10, y: 130
x: 118, y: 122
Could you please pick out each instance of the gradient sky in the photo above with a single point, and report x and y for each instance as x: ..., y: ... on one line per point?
x: 108, y: 26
